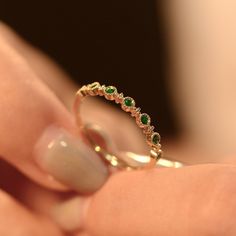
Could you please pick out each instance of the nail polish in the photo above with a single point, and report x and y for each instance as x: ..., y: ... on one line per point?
x: 69, y: 160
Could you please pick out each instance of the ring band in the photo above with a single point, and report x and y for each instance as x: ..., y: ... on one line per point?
x: 143, y: 120
x: 128, y: 160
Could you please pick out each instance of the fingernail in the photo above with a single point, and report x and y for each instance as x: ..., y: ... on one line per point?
x: 70, y: 214
x: 69, y: 160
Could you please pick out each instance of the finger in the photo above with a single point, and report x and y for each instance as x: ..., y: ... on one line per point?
x: 68, y: 160
x: 82, y: 234
x: 28, y: 110
x: 69, y: 214
x: 209, y: 60
x: 46, y: 69
x: 16, y: 220
x: 159, y: 202
x: 227, y: 160
x: 28, y: 193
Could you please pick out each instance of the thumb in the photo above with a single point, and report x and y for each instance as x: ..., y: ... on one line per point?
x: 146, y: 202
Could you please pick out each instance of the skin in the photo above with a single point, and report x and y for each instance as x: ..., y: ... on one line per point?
x: 201, y: 37
x: 194, y: 200
x: 27, y: 87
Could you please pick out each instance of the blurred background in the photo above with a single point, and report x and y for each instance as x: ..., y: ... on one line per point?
x: 115, y: 42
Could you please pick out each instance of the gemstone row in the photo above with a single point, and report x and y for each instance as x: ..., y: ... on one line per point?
x: 127, y: 104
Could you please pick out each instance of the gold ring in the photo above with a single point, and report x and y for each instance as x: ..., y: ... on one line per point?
x: 143, y: 120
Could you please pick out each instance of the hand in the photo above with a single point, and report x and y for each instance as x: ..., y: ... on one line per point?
x: 195, y: 200
x: 35, y: 95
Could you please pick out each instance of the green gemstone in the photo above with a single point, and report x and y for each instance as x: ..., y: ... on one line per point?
x: 110, y: 89
x: 155, y: 138
x: 144, y: 119
x: 129, y: 102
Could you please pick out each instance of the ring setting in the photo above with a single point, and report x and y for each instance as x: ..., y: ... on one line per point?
x: 143, y: 120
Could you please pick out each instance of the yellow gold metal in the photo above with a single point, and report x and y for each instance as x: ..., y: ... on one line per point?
x: 128, y: 105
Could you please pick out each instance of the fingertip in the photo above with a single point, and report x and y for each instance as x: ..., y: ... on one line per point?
x: 69, y: 160
x: 71, y: 214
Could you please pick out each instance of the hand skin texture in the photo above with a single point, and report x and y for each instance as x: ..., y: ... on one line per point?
x: 194, y: 200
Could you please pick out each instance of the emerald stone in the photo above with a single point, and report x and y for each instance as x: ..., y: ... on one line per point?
x: 110, y: 89
x: 144, y: 119
x: 129, y: 102
x: 155, y: 138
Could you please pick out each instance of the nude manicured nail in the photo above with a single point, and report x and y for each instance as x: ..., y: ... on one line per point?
x: 70, y: 161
